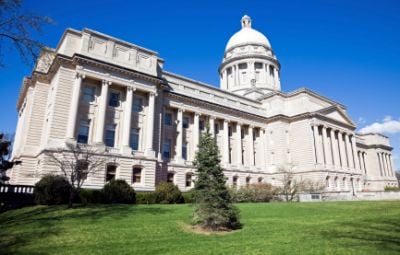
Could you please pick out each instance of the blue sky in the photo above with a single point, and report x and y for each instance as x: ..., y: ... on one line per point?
x: 345, y: 50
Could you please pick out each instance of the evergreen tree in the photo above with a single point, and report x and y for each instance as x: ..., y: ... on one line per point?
x: 213, y: 203
x: 5, y: 163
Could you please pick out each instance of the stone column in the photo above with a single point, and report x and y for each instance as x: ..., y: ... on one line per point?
x: 212, y: 124
x: 179, y: 137
x: 101, y: 114
x: 150, y: 126
x: 391, y: 165
x: 327, y: 151
x: 251, y: 143
x: 349, y: 152
x: 126, y: 134
x: 343, y: 156
x: 385, y: 164
x: 317, y: 142
x: 196, y: 131
x: 73, y: 111
x: 238, y: 144
x: 334, y: 145
x: 268, y: 74
x: 276, y: 78
x: 381, y: 168
x: 225, y: 147
x: 354, y: 146
x: 237, y: 76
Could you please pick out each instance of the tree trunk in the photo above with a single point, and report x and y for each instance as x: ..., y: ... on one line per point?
x: 71, y: 197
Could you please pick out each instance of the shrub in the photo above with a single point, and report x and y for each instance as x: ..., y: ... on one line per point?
x: 262, y: 192
x: 52, y: 190
x: 387, y: 188
x: 90, y: 196
x: 188, y: 196
x: 118, y: 191
x: 145, y: 198
x: 168, y: 193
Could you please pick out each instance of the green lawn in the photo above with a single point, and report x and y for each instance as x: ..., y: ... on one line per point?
x: 276, y: 228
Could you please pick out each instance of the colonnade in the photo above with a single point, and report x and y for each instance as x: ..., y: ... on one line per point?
x: 102, y: 110
x: 361, y: 160
x: 226, y: 147
x: 335, y: 149
x: 270, y: 77
x: 385, y: 164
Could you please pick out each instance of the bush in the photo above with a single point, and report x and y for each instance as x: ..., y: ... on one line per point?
x: 387, y: 188
x: 188, y: 196
x: 145, y: 198
x: 118, y: 191
x: 90, y: 196
x: 168, y: 193
x: 52, y: 190
x: 262, y: 192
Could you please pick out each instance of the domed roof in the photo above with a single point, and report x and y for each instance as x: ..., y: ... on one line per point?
x: 247, y: 35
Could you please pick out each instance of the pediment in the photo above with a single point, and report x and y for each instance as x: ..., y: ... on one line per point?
x: 337, y: 114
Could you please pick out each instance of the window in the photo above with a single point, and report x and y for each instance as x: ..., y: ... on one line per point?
x: 184, y: 151
x: 170, y: 177
x: 216, y: 129
x: 136, y: 175
x: 243, y: 66
x: 111, y: 172
x: 234, y: 181
x: 242, y: 133
x: 89, y: 94
x: 258, y: 65
x: 168, y: 119
x: 167, y: 149
x: 83, y: 167
x: 248, y: 179
x: 260, y: 180
x: 230, y: 131
x: 201, y: 125
x: 83, y: 132
x: 315, y: 197
x: 189, y: 179
x: 134, y: 139
x: 137, y: 104
x: 114, y: 99
x: 110, y: 136
x: 185, y: 122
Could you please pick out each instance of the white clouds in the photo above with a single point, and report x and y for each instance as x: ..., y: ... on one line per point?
x: 361, y: 121
x: 387, y: 126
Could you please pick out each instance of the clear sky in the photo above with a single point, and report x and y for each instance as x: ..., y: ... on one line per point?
x: 346, y: 50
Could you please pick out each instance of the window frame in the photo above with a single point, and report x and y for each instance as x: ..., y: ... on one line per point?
x: 134, y: 106
x: 170, y: 120
x: 135, y: 132
x: 93, y: 96
x: 88, y: 122
x: 108, y: 174
x: 111, y: 100
x: 108, y: 129
x: 134, y: 176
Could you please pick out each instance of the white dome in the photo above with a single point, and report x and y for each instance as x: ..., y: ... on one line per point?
x: 246, y: 36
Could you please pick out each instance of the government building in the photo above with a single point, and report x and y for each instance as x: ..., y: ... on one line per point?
x: 113, y: 95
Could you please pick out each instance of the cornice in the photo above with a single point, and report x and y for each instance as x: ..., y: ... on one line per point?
x: 247, y: 56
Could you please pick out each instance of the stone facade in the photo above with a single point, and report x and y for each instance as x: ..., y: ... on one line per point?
x: 109, y: 93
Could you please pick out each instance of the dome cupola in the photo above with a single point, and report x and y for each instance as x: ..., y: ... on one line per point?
x: 249, y: 67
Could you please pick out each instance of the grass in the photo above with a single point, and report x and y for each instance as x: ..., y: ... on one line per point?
x: 276, y: 228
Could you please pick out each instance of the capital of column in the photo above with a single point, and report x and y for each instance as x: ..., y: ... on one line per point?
x: 80, y: 75
x: 153, y: 94
x: 131, y: 88
x: 106, y: 82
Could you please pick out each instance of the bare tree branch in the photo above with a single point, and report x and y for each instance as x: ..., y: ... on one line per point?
x: 17, y: 29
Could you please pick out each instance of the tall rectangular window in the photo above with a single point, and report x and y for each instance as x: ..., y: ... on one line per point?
x: 137, y: 104
x: 137, y: 175
x: 188, y: 182
x: 89, y: 94
x: 184, y: 151
x: 114, y: 99
x: 110, y: 136
x: 134, y: 139
x: 167, y: 149
x: 201, y: 125
x: 168, y: 119
x: 185, y: 122
x: 83, y: 132
x: 170, y: 177
x: 216, y: 128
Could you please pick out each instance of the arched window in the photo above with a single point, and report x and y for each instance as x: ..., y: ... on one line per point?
x: 327, y: 182
x: 136, y: 174
x: 337, y: 182
x: 260, y: 180
x: 344, y: 183
x: 111, y: 172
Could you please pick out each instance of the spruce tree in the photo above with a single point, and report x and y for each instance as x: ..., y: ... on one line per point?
x: 213, y: 208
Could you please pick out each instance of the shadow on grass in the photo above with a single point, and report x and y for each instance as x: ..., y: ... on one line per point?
x: 384, y: 234
x: 29, y: 225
